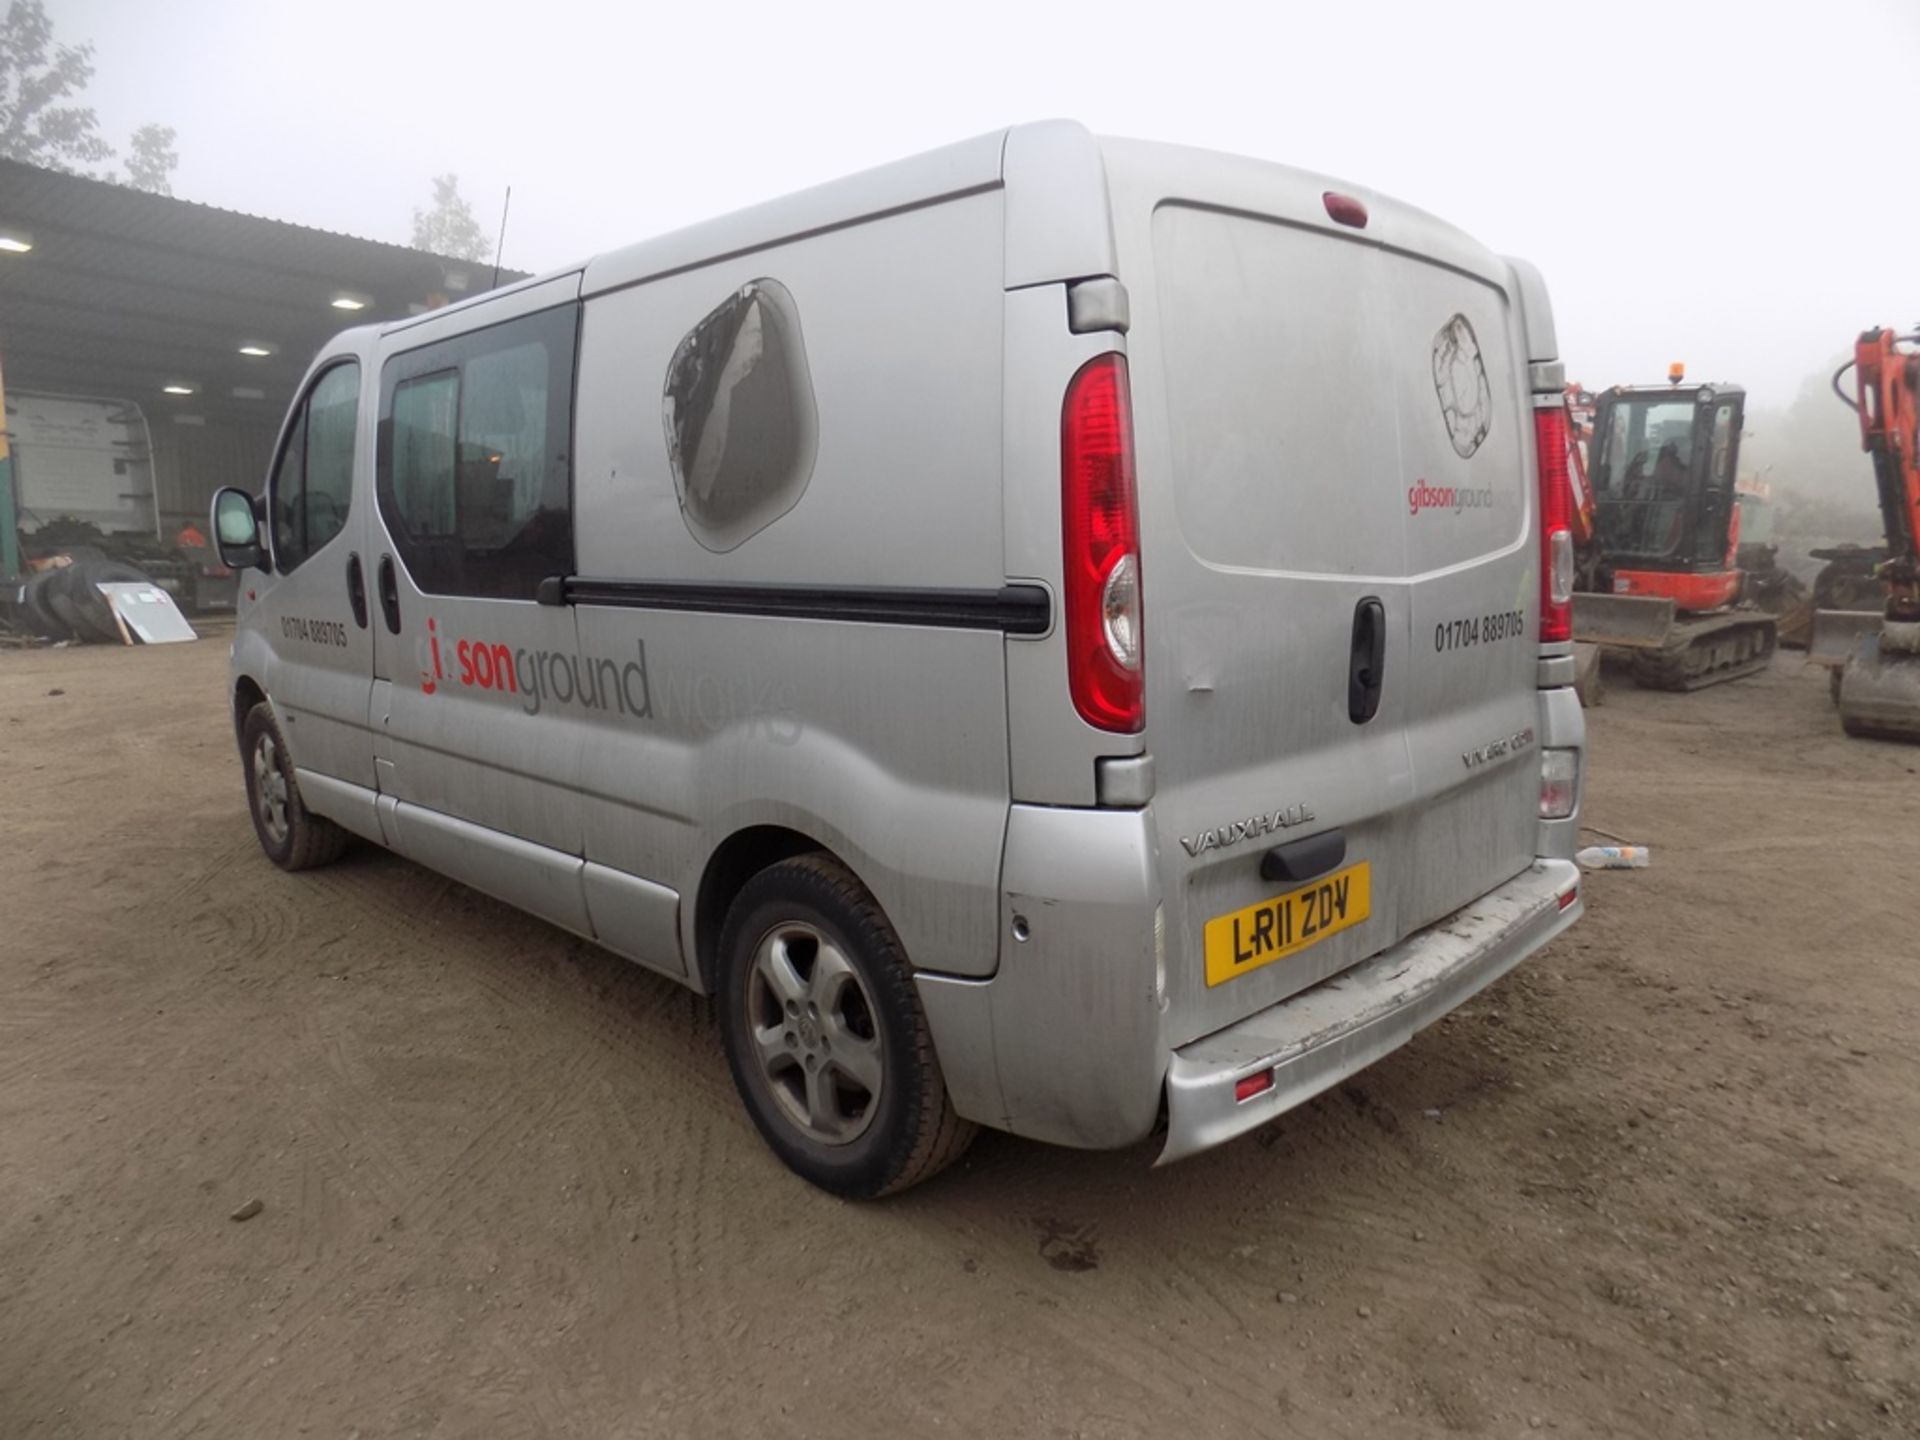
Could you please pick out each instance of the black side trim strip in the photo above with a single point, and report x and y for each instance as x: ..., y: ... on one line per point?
x: 1014, y: 609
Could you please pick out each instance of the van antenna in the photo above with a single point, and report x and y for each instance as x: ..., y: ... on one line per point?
x: 501, y: 247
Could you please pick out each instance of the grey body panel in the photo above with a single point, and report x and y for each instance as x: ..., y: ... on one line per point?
x: 885, y: 744
x: 1286, y: 413
x: 296, y: 638
x: 1032, y: 864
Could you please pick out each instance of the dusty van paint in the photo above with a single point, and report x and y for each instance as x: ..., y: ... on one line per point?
x: 813, y: 600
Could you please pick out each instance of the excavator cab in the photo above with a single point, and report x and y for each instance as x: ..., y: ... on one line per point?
x: 1657, y: 580
x: 1662, y: 471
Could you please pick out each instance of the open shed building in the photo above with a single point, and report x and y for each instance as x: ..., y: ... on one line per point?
x: 196, y: 323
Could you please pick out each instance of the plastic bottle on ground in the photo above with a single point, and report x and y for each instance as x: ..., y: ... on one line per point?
x: 1614, y: 857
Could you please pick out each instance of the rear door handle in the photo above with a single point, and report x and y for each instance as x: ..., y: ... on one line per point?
x: 1366, y: 660
x: 357, y: 590
x: 389, y: 594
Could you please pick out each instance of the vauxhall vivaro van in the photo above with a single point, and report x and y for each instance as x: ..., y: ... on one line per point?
x: 1061, y: 634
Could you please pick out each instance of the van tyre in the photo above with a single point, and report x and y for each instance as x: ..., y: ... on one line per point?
x: 825, y: 1036
x: 293, y: 837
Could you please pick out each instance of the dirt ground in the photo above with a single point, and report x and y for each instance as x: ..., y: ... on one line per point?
x: 1663, y: 1181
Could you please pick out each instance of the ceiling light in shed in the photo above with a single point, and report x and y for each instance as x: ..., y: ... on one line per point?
x: 15, y: 242
x: 176, y: 389
x: 349, y: 302
x: 256, y: 350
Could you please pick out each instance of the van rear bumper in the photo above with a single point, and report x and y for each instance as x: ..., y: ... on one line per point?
x: 1319, y: 1037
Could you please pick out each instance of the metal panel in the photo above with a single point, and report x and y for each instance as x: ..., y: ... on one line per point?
x: 1058, y: 225
x: 1633, y: 622
x: 1536, y: 313
x: 885, y: 743
x: 635, y: 918
x: 544, y: 882
x: 1076, y: 1023
x: 960, y: 1018
x: 954, y: 170
x: 1836, y: 634
x: 296, y: 636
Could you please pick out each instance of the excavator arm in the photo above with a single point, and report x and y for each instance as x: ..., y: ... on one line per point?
x: 1879, y: 688
x: 1886, y: 376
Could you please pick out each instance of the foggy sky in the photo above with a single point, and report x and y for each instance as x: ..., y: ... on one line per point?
x: 1695, y: 179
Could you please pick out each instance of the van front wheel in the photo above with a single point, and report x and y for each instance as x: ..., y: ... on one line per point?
x: 825, y: 1037
x: 293, y: 837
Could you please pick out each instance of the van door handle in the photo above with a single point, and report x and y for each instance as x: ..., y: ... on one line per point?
x: 357, y: 590
x: 389, y: 594
x: 1366, y: 660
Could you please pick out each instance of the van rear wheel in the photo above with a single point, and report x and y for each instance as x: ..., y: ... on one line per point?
x: 293, y: 837
x: 825, y: 1036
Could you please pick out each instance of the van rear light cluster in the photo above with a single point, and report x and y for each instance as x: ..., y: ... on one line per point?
x: 1559, y: 783
x: 1100, y: 521
x: 1556, y: 524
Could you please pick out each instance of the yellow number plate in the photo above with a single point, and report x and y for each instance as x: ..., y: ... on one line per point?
x: 1287, y: 924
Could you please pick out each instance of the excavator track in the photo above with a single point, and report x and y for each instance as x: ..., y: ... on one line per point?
x: 1708, y: 650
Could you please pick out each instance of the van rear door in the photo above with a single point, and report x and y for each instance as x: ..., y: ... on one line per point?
x: 1341, y: 596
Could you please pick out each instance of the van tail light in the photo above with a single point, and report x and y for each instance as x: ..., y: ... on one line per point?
x: 1556, y: 524
x: 1100, y: 522
x: 1559, y: 783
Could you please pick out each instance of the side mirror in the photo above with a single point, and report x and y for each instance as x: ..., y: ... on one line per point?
x: 236, y: 530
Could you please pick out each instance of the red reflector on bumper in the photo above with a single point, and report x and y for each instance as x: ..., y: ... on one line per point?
x: 1248, y: 1086
x: 1568, y: 898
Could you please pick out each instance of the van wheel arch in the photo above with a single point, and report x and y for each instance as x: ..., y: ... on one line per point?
x: 737, y: 859
x: 246, y: 695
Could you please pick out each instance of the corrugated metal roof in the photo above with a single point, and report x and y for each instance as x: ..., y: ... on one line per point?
x: 124, y: 293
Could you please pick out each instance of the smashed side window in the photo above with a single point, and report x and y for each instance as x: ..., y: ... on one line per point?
x: 739, y: 416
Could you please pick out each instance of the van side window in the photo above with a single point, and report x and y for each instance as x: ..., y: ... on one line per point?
x: 739, y: 414
x: 312, y: 487
x: 474, y: 474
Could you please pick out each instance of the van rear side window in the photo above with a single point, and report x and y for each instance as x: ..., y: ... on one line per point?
x: 474, y: 472
x: 739, y: 415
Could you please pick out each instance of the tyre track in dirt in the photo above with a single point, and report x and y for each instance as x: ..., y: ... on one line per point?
x: 509, y: 1188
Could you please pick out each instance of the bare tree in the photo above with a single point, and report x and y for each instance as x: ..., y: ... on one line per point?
x: 151, y: 159
x: 36, y: 77
x: 40, y: 125
x: 448, y: 228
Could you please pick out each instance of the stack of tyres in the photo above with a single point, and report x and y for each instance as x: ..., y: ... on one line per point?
x: 65, y: 602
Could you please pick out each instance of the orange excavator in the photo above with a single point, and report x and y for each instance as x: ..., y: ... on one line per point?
x: 1875, y: 655
x: 1657, y: 529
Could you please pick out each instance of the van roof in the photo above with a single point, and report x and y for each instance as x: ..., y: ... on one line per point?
x: 1055, y: 173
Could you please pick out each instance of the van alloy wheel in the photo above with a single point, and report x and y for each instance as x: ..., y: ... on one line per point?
x: 814, y: 1035
x: 292, y: 836
x: 825, y: 1036
x: 270, y: 787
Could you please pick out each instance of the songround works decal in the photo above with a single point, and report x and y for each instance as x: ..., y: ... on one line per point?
x: 619, y: 685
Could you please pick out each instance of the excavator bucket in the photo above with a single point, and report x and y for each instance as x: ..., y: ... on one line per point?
x: 1796, y: 624
x: 1880, y: 691
x: 1629, y: 622
x: 1836, y: 633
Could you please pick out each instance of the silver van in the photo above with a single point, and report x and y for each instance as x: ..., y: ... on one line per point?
x: 1061, y: 634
